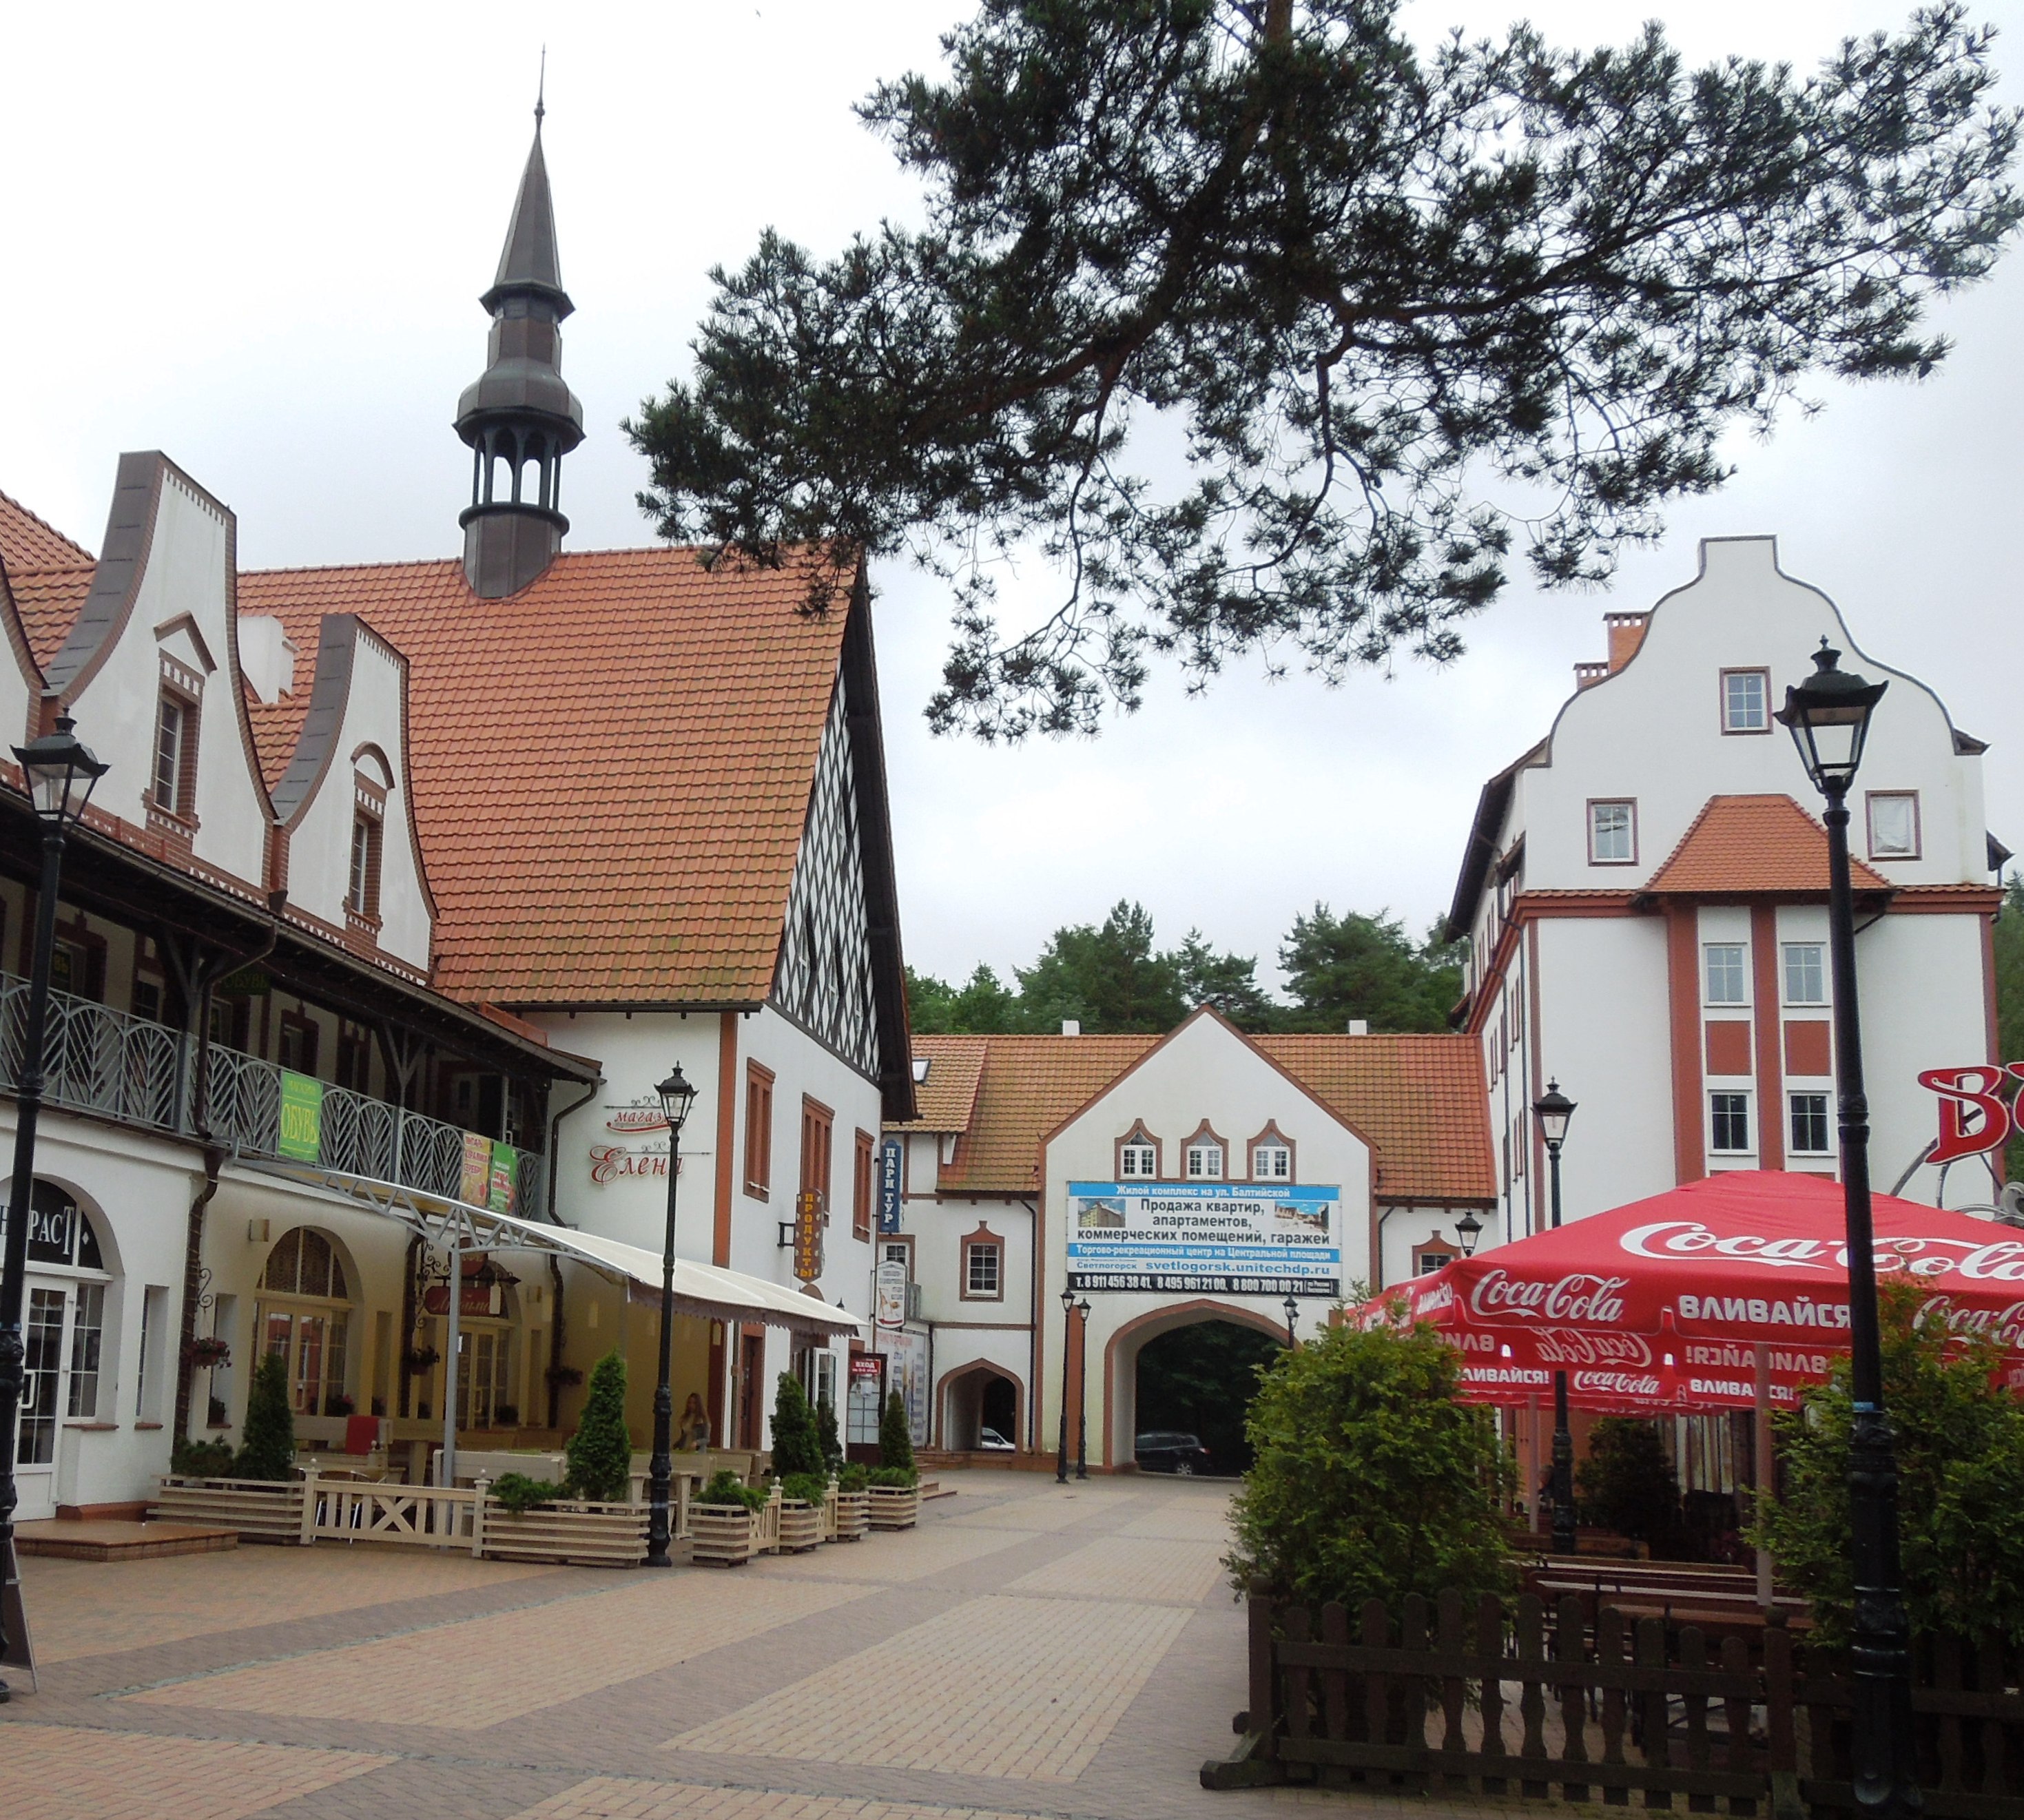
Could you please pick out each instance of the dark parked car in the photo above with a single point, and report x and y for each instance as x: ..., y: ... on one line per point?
x: 1164, y: 1451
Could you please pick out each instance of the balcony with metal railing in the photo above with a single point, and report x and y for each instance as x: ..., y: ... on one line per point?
x: 137, y: 1072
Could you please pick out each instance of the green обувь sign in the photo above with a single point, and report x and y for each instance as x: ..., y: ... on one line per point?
x: 302, y: 1116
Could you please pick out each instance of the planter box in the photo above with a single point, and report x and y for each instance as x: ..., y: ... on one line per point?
x: 895, y: 1507
x: 588, y: 1535
x: 800, y: 1526
x: 853, y: 1515
x: 721, y: 1534
x: 257, y: 1510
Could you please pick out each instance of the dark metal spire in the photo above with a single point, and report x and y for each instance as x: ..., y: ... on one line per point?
x: 520, y: 419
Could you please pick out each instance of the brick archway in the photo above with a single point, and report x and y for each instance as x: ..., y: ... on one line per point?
x: 1120, y: 1351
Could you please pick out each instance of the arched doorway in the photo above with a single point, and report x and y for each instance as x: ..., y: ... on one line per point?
x: 976, y: 1397
x: 1202, y: 1371
x: 71, y: 1267
x: 305, y: 1319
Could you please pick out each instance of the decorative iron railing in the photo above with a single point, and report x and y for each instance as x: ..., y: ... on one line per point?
x: 141, y: 1073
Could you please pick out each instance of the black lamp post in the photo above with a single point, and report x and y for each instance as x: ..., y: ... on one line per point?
x: 61, y: 770
x: 1554, y: 1110
x: 1469, y: 1229
x: 1081, y: 1389
x: 1292, y: 1305
x: 1828, y: 717
x: 1061, y: 1451
x: 678, y: 1096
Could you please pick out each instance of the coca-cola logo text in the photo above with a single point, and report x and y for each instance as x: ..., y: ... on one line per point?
x: 2000, y: 1261
x: 1577, y: 1296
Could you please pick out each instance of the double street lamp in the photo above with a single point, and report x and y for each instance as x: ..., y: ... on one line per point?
x: 677, y: 1094
x: 1828, y: 718
x: 1081, y: 1389
x: 1061, y: 1451
x: 61, y: 771
x: 1553, y: 1110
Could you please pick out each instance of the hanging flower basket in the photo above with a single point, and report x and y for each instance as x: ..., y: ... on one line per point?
x: 421, y: 1359
x: 208, y: 1354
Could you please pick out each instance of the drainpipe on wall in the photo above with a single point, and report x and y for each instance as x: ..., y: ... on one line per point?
x: 554, y: 1267
x: 1032, y: 1326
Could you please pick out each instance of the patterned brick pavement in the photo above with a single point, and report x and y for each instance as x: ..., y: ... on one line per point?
x: 1031, y: 1650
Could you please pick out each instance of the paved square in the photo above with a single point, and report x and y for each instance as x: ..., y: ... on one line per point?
x: 1024, y: 1688
x: 54, y: 1773
x: 607, y: 1798
x: 1125, y: 1567
x: 485, y: 1671
x: 892, y: 1557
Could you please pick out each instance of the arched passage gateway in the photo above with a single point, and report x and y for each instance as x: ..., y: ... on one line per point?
x: 972, y: 1398
x: 1125, y: 1353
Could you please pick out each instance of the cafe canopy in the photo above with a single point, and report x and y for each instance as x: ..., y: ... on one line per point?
x: 1679, y: 1304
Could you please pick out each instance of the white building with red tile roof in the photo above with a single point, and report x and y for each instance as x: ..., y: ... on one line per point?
x: 1203, y: 1175
x: 1644, y: 896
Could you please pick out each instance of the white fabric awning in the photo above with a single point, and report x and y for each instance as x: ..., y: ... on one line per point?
x: 706, y: 1290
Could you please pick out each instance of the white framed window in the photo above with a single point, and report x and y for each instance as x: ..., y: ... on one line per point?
x: 1728, y: 1123
x: 1745, y: 701
x: 1271, y: 1163
x: 1612, y: 832
x: 1724, y: 975
x: 87, y: 1340
x: 981, y: 1265
x: 173, y: 787
x: 1806, y: 973
x: 1205, y: 1161
x: 1136, y: 1161
x: 1810, y: 1124
x: 1893, y: 824
x: 361, y: 895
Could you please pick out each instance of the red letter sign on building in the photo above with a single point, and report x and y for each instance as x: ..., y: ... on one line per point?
x: 1967, y: 1093
x: 808, y: 1235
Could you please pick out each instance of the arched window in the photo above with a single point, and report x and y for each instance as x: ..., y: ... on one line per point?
x: 1205, y: 1157
x: 304, y: 1319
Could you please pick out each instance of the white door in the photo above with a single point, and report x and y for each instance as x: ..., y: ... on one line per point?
x: 47, y: 1317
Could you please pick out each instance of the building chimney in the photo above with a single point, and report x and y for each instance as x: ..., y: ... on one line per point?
x: 1071, y: 1026
x: 1359, y: 1026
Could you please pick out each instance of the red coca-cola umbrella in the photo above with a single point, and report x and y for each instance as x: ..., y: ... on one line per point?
x: 1665, y: 1304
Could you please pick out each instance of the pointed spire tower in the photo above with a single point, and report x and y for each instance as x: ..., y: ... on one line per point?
x: 520, y: 419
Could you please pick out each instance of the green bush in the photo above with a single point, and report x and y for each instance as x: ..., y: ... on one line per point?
x: 1371, y: 1479
x: 1960, y: 1483
x: 904, y: 1477
x: 895, y: 1442
x: 202, y: 1459
x: 826, y: 1437
x: 1626, y: 1482
x: 517, y: 1493
x: 267, y: 1443
x: 796, y: 1448
x: 853, y: 1478
x: 600, y: 1452
x: 810, y: 1488
x: 726, y: 1488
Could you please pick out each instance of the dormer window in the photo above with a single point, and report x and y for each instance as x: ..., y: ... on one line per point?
x: 173, y: 788
x: 1138, y: 1160
x: 1205, y: 1157
x: 1271, y: 1163
x: 361, y: 897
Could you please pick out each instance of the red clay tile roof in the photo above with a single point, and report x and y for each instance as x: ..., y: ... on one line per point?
x: 947, y: 1098
x: 49, y: 599
x: 1418, y: 1099
x: 27, y: 543
x: 603, y: 817
x: 1740, y: 844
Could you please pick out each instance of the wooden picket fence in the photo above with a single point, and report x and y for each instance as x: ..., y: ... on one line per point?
x: 1531, y: 1701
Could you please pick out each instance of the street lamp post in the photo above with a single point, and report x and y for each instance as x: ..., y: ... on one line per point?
x: 677, y: 1094
x: 1081, y: 1389
x: 1553, y: 1108
x: 1828, y: 718
x: 1061, y: 1450
x: 1469, y: 1229
x: 1292, y: 1305
x: 61, y: 770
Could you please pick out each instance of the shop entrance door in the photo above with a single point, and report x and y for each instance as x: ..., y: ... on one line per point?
x: 46, y: 1319
x: 751, y: 1389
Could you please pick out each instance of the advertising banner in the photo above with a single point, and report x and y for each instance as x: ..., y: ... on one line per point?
x: 889, y: 1178
x: 890, y: 1308
x: 475, y: 1187
x: 1205, y: 1238
x: 505, y: 1178
x: 907, y: 1372
x: 808, y: 1235
x: 302, y: 1116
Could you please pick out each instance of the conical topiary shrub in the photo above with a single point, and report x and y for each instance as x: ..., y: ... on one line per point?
x: 795, y: 1449
x: 267, y: 1444
x: 896, y: 1444
x: 827, y: 1438
x: 600, y: 1452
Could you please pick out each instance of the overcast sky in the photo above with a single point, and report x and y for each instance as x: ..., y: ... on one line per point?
x: 254, y: 237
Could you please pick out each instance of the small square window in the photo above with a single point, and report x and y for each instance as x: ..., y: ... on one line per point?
x: 1806, y: 973
x: 1612, y: 834
x: 1729, y: 1118
x: 1271, y: 1163
x: 1725, y: 985
x: 1136, y: 1160
x: 1893, y: 824
x: 1204, y: 1162
x: 983, y: 1277
x: 1810, y: 1124
x: 1745, y: 701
